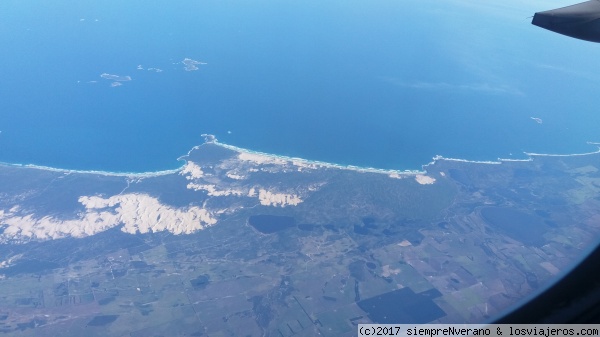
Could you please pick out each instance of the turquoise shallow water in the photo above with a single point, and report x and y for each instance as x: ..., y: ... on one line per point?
x: 384, y: 84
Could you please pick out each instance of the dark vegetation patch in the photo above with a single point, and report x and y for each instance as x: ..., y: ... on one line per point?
x: 106, y: 300
x: 330, y: 228
x: 23, y: 301
x: 307, y: 227
x: 141, y: 265
x: 41, y: 257
x: 460, y: 176
x: 525, y: 173
x: 25, y: 326
x: 200, y: 282
x: 62, y: 289
x: 263, y: 313
x: 102, y: 320
x: 369, y: 222
x: 431, y: 293
x: 361, y: 230
x: 29, y: 267
x: 140, y: 248
x: 144, y: 308
x: 521, y: 226
x: 358, y: 270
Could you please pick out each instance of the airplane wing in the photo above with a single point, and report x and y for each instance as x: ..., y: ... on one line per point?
x: 581, y: 21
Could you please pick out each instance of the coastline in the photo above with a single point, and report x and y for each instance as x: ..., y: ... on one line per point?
x: 98, y: 172
x: 532, y: 154
x: 320, y: 164
x: 211, y: 139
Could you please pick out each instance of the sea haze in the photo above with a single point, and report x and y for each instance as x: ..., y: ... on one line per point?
x: 385, y: 84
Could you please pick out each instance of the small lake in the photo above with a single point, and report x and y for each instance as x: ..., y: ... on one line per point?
x: 268, y: 224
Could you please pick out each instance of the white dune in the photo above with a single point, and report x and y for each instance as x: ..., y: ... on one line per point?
x: 424, y: 180
x: 192, y: 171
x: 268, y: 198
x: 137, y: 213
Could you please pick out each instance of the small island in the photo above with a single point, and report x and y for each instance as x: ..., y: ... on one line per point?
x: 191, y: 65
x: 537, y: 120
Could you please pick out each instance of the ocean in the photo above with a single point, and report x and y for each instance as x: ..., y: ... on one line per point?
x: 384, y: 84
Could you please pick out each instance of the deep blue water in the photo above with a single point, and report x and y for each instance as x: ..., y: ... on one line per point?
x: 386, y: 83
